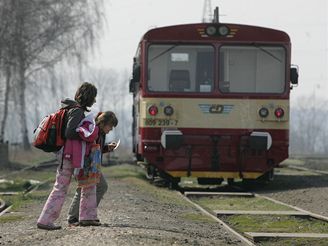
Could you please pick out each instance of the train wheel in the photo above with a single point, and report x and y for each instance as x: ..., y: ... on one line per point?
x: 151, y: 172
x: 268, y: 176
x: 174, y: 183
x: 139, y: 157
x: 231, y: 181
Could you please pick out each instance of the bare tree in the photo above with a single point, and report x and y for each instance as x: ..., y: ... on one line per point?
x: 43, y: 33
x: 308, y: 126
x: 5, y: 63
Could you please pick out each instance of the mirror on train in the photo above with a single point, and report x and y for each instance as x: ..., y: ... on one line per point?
x: 135, y: 70
x: 136, y: 73
x: 134, y: 86
x: 134, y: 82
x: 294, y: 75
x: 131, y: 86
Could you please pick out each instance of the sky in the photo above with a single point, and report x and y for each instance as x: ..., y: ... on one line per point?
x: 305, y: 22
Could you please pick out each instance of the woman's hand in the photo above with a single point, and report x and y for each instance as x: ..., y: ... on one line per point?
x: 111, y: 146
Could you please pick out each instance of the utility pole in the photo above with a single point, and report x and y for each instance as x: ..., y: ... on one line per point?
x: 207, y: 12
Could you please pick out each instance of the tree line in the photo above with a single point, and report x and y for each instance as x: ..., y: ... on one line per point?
x: 35, y: 36
x: 44, y: 51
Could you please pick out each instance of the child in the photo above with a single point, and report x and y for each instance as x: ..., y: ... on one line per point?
x: 106, y: 121
x: 84, y: 98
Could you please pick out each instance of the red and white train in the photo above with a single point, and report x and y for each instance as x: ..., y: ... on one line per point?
x: 211, y: 100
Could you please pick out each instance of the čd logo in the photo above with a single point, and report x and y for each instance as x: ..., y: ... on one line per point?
x: 216, y: 109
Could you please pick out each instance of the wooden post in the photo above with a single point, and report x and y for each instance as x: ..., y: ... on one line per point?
x: 4, y: 153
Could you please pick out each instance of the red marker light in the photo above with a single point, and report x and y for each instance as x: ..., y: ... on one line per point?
x: 153, y: 110
x: 279, y: 112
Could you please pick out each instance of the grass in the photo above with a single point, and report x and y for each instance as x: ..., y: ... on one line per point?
x: 20, y: 181
x: 276, y: 223
x: 18, y: 185
x: 135, y: 175
x: 238, y: 203
x: 293, y: 161
x: 28, y: 157
x: 40, y: 175
x: 10, y: 218
x: 197, y: 217
x: 282, y: 224
x: 294, y: 242
x: 291, y: 172
x: 265, y: 223
x: 21, y: 200
x: 123, y: 171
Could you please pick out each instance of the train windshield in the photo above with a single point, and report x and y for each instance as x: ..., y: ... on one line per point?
x: 180, y: 68
x: 252, y: 69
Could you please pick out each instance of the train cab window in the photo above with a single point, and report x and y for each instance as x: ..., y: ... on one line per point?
x: 180, y: 68
x: 179, y: 80
x: 252, y: 69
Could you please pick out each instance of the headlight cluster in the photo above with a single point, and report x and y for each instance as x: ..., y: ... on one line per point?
x: 215, y: 30
x: 153, y: 110
x: 264, y: 112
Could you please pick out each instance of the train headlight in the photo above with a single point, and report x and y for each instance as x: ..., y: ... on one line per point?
x: 168, y: 110
x: 153, y: 110
x: 210, y: 30
x: 223, y: 30
x: 263, y: 112
x: 279, y: 112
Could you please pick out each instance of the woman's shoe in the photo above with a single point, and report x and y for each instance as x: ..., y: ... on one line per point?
x: 89, y: 223
x: 50, y: 227
x: 73, y: 222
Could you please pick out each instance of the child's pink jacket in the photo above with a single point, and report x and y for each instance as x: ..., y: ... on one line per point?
x: 76, y: 150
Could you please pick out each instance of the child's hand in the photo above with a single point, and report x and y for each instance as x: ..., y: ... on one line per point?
x: 111, y: 146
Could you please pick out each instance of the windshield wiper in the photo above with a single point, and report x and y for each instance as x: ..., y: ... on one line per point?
x: 267, y: 52
x: 163, y: 52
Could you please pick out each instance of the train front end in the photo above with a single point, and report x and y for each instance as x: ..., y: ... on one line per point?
x: 212, y: 101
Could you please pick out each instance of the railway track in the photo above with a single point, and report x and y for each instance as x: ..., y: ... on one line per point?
x: 307, y: 228
x: 205, y: 202
x: 45, y: 164
x: 5, y: 208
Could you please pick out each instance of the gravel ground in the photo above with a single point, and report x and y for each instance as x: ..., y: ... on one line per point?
x: 303, y: 189
x: 133, y: 212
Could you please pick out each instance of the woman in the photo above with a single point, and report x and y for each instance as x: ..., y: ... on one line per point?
x: 85, y: 97
x: 106, y: 121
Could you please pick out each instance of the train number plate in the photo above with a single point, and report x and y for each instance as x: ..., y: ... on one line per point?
x: 161, y: 122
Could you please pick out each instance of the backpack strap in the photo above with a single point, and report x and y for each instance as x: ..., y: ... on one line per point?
x: 62, y: 159
x: 65, y: 122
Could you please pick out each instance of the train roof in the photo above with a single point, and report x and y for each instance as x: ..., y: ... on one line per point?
x: 197, y: 32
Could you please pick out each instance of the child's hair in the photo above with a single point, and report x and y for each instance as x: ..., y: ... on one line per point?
x: 85, y: 95
x: 106, y: 118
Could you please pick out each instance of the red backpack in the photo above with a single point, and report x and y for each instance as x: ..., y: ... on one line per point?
x: 49, y: 135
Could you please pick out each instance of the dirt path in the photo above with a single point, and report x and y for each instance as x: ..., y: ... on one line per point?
x: 133, y: 212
